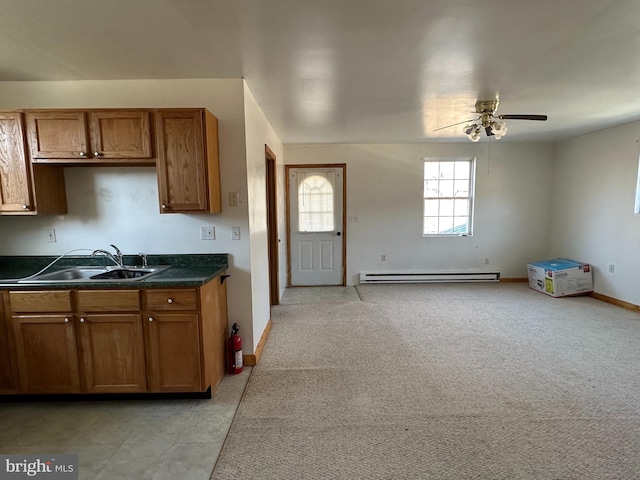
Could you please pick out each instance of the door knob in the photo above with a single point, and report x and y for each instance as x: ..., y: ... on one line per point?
x: 338, y: 234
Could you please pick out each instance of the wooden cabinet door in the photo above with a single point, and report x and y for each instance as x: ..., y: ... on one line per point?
x: 112, y: 353
x: 121, y: 134
x: 46, y: 353
x: 173, y: 352
x: 16, y: 193
x: 188, y: 165
x: 58, y: 134
x: 8, y: 377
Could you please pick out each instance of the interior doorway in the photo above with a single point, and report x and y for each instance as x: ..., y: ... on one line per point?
x: 272, y: 226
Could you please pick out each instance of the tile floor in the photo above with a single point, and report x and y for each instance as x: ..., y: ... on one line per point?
x: 127, y: 439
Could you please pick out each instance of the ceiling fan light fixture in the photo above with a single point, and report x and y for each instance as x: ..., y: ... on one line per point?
x: 494, y: 125
x: 499, y: 128
x: 472, y: 130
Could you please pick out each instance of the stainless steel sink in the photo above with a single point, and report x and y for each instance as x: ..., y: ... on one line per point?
x: 96, y: 274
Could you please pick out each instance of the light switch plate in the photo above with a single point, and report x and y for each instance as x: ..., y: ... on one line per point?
x: 207, y: 232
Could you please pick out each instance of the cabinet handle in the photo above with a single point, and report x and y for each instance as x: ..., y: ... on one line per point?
x: 164, y: 207
x: 25, y: 207
x: 170, y: 300
x: 82, y: 320
x: 97, y: 154
x: 83, y: 154
x: 66, y: 320
x: 151, y: 319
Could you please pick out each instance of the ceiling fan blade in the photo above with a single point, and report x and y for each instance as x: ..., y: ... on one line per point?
x: 489, y: 131
x: 453, y: 125
x: 541, y: 118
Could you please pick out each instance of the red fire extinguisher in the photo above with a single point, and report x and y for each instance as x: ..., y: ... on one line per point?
x: 235, y: 350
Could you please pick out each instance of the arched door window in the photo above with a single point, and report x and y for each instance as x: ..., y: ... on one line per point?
x: 315, y: 202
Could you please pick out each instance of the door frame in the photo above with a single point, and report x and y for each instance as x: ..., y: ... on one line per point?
x: 272, y: 226
x: 343, y: 167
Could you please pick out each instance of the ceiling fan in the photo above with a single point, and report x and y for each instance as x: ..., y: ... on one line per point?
x: 487, y: 119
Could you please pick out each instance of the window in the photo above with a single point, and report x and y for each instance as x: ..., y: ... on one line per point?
x: 315, y: 202
x: 448, y: 196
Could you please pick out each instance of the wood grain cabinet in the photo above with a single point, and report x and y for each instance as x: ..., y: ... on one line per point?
x: 25, y: 190
x: 188, y: 163
x: 90, y: 136
x: 185, y: 333
x: 45, y: 339
x: 8, y: 373
x: 111, y: 345
x: 172, y: 333
x: 115, y: 341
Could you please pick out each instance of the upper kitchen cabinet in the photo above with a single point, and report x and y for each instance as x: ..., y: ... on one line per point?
x: 188, y: 164
x: 124, y: 134
x: 110, y: 136
x: 25, y: 190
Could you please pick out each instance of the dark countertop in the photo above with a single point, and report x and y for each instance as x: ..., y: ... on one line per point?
x: 187, y: 270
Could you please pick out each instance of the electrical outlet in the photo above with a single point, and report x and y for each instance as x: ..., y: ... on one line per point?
x: 233, y: 199
x: 383, y: 258
x: 235, y: 233
x: 612, y: 268
x: 486, y: 260
x: 51, y: 233
x: 207, y: 232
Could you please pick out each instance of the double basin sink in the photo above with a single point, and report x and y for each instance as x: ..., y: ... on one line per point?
x: 95, y: 273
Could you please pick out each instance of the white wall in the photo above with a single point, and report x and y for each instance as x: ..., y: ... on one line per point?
x: 119, y: 205
x: 593, y: 200
x: 258, y: 134
x: 385, y: 188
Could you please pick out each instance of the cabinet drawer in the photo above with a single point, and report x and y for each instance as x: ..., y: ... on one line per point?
x: 41, y: 301
x: 108, y: 300
x: 172, y: 299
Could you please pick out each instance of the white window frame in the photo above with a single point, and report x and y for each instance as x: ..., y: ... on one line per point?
x: 324, y: 207
x: 470, y: 197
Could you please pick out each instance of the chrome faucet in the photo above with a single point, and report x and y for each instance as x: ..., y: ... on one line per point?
x: 115, y: 258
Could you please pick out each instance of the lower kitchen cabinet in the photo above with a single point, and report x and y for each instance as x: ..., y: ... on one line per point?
x: 114, y: 341
x: 47, y: 354
x: 112, y: 353
x: 173, y: 352
x: 110, y: 341
x: 45, y: 341
x: 184, y: 329
x: 8, y: 374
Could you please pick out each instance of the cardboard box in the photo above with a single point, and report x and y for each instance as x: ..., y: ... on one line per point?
x: 560, y: 277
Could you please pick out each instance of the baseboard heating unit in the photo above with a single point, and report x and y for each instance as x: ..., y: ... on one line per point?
x: 428, y: 277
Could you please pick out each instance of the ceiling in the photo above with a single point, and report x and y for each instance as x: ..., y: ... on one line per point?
x: 347, y: 71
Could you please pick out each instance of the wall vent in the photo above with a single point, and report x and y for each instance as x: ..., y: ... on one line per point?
x: 428, y: 277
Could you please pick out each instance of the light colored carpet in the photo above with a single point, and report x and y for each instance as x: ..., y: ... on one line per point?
x: 486, y: 381
x: 319, y: 295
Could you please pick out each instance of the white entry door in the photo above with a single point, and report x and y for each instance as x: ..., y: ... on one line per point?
x: 316, y: 220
